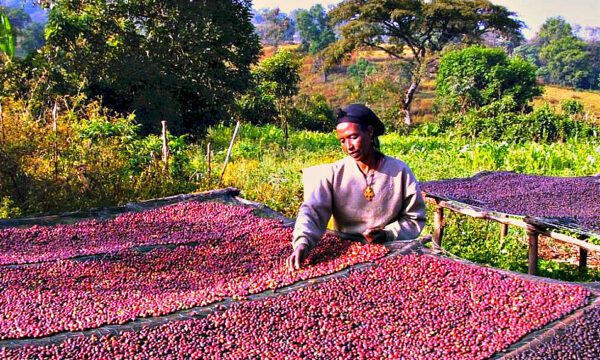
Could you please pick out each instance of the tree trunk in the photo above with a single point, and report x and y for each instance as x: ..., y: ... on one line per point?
x: 408, y: 98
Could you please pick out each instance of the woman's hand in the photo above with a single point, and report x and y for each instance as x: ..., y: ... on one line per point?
x: 294, y: 262
x: 375, y: 235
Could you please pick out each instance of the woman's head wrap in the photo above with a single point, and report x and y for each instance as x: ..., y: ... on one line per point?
x: 362, y: 115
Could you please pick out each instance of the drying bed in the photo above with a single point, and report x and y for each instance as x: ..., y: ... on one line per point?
x: 243, y: 257
x: 180, y: 223
x: 579, y: 340
x: 571, y: 201
x: 410, y: 306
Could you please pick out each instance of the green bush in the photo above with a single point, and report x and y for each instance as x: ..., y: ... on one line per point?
x: 478, y: 76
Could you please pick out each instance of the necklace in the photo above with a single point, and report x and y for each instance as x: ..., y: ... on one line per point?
x: 368, y: 193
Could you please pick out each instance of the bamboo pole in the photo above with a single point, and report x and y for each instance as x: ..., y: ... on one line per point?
x: 237, y: 127
x: 165, y: 146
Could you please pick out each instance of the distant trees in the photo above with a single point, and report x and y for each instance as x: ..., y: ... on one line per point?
x: 182, y: 61
x: 478, y: 76
x: 274, y: 27
x: 420, y: 28
x: 314, y: 28
x: 562, y: 57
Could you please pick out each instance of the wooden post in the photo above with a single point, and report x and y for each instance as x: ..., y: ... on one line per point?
x: 2, y: 124
x: 165, y: 146
x: 503, y: 232
x: 583, y: 253
x: 532, y: 237
x: 208, y: 160
x: 55, y: 128
x: 438, y: 231
x: 237, y: 127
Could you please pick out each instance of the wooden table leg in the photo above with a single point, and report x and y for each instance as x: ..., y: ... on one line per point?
x: 438, y: 223
x: 532, y: 237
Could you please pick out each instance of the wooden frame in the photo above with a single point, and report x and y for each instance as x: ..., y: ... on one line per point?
x: 533, y: 229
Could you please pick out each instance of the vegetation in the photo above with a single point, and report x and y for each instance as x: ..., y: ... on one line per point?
x: 425, y: 28
x: 7, y: 39
x: 478, y: 76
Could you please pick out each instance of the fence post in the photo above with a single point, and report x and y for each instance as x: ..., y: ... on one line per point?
x: 208, y: 160
x: 237, y: 127
x: 165, y: 146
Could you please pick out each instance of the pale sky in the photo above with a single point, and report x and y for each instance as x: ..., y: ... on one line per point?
x: 532, y: 12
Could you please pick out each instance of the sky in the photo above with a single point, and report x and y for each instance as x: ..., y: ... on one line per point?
x: 533, y: 12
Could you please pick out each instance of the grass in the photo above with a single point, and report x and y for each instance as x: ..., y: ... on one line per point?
x: 554, y: 95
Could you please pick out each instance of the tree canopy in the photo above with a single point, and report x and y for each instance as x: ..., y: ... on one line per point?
x: 477, y: 76
x: 314, y: 28
x: 417, y: 30
x: 182, y: 61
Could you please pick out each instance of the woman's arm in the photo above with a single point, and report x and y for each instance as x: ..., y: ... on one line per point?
x: 411, y: 218
x: 315, y: 211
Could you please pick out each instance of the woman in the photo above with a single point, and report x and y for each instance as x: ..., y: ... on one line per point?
x: 368, y: 193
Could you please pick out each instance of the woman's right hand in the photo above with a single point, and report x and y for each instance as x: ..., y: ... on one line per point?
x: 294, y: 261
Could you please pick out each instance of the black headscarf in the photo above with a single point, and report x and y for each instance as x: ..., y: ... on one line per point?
x: 362, y: 115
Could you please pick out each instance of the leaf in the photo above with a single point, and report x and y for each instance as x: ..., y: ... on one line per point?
x: 7, y: 38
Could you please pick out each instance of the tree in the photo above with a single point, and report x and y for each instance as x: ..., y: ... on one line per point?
x: 477, y: 76
x: 7, y: 39
x: 421, y: 28
x: 275, y: 27
x: 279, y: 77
x: 182, y: 61
x: 314, y: 28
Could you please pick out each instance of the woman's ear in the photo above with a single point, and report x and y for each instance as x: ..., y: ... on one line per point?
x: 371, y: 131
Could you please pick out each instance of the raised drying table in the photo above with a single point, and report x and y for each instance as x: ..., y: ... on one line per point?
x: 564, y: 209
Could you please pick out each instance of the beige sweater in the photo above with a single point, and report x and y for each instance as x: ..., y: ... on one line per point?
x: 337, y: 189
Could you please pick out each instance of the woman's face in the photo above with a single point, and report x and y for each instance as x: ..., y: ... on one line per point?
x: 355, y: 142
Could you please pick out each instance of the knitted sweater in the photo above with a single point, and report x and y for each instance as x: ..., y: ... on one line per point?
x: 337, y: 189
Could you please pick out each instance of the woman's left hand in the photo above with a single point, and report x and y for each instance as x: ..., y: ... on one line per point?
x: 375, y: 235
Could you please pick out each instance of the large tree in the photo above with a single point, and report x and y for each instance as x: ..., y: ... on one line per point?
x: 182, y: 61
x: 416, y: 31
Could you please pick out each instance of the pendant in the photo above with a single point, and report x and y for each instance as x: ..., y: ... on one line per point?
x: 369, y: 193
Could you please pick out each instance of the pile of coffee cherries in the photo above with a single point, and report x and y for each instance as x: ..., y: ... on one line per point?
x: 571, y: 199
x: 412, y: 306
x: 180, y: 223
x: 580, y: 340
x: 236, y: 259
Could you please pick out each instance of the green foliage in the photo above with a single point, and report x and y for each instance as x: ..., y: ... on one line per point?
x: 313, y: 113
x: 7, y: 38
x: 562, y: 57
x: 478, y: 76
x: 278, y: 78
x: 178, y: 61
x: 572, y: 107
x: 314, y: 28
x: 498, y: 122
